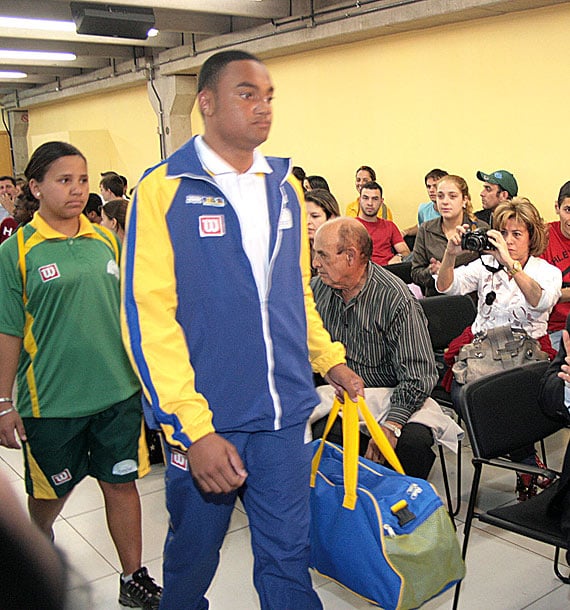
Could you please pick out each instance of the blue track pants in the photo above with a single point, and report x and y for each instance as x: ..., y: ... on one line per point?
x: 276, y: 499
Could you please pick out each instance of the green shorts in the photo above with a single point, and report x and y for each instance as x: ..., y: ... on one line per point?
x: 109, y: 446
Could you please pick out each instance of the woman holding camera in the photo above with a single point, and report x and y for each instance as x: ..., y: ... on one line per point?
x: 514, y: 287
x: 454, y: 204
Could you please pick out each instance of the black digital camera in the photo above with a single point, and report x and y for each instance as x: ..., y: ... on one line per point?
x: 476, y: 241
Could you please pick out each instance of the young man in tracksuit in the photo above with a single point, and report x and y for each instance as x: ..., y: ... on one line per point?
x: 221, y: 326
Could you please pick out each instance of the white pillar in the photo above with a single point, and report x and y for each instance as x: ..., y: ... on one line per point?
x: 18, y: 123
x: 172, y: 98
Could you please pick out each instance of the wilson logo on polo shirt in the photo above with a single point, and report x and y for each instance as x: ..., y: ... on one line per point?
x: 61, y: 477
x: 49, y: 272
x: 212, y: 226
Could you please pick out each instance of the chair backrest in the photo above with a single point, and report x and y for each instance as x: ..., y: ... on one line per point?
x: 448, y: 316
x: 501, y: 411
x: 401, y: 270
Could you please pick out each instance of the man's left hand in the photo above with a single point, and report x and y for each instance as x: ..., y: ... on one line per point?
x: 344, y: 379
x: 373, y: 453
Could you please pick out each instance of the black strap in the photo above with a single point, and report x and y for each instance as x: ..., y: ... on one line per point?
x: 488, y: 267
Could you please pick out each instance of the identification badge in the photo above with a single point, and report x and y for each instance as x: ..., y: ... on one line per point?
x: 285, y: 219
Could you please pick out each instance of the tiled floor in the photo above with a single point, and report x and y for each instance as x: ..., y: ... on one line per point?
x: 504, y: 572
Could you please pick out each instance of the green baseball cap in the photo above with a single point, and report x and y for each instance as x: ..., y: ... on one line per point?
x: 503, y: 178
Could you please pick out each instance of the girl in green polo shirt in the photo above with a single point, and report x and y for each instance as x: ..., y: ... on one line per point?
x: 79, y: 410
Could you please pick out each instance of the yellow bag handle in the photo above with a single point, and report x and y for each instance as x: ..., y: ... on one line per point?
x: 350, y: 432
x: 318, y: 454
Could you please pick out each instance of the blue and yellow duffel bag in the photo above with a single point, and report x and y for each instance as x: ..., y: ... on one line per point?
x: 385, y: 536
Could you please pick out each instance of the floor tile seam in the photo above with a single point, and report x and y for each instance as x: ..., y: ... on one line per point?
x: 237, y: 529
x: 94, y: 581
x: 78, y: 532
x: 88, y: 543
x: 513, y: 542
x: 102, y: 507
x: 10, y: 467
x: 545, y: 595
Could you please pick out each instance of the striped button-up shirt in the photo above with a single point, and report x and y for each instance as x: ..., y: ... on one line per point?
x: 385, y: 334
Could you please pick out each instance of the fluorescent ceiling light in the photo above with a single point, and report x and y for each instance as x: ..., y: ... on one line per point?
x: 152, y: 33
x: 36, y: 24
x: 5, y: 74
x: 36, y: 55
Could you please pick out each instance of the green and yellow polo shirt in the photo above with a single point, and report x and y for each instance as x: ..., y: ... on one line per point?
x: 61, y: 295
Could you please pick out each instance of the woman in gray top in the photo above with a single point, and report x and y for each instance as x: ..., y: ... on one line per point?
x: 454, y: 205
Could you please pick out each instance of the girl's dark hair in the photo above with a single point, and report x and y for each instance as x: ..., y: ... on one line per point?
x: 299, y: 173
x: 564, y: 192
x: 116, y: 209
x: 45, y: 155
x: 325, y: 200
x: 318, y: 182
x: 367, y: 168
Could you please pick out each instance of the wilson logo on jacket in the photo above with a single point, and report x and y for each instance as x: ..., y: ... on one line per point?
x: 212, y: 226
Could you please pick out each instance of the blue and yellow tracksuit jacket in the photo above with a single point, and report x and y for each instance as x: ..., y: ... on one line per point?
x: 211, y: 354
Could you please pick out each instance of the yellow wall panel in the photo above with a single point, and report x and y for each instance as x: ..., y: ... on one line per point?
x: 488, y: 94
x: 115, y: 131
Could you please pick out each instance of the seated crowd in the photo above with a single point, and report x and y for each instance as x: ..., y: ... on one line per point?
x: 513, y: 266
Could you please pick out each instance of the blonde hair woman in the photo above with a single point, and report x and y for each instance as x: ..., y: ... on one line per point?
x: 454, y: 205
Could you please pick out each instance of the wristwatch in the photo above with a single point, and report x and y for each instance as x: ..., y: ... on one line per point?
x: 515, y: 268
x: 397, y: 431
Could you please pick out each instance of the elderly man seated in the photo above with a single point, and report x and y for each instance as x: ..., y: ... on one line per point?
x: 385, y: 334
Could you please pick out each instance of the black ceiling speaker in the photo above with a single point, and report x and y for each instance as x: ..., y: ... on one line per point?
x: 112, y: 20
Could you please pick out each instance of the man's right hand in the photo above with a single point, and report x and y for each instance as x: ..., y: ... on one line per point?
x: 216, y: 464
x: 11, y: 428
x: 7, y: 202
x: 454, y: 243
x: 564, y: 373
x: 344, y: 379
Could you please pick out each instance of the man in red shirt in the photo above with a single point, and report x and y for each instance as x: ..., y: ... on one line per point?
x: 557, y: 253
x: 388, y: 244
x: 7, y: 196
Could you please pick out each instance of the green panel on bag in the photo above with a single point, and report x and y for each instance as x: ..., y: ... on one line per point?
x: 413, y: 555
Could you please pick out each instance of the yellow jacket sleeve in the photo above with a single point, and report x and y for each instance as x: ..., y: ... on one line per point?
x: 323, y: 352
x: 153, y: 338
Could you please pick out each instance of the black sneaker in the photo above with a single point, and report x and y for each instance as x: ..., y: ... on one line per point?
x: 140, y: 592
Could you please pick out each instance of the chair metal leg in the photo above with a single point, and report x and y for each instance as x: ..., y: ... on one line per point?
x: 564, y: 579
x: 453, y: 511
x: 458, y: 473
x: 446, y: 485
x: 456, y: 595
x: 468, y: 522
x: 458, y: 478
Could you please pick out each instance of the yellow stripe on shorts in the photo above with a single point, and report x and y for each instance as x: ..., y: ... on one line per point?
x: 42, y: 490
